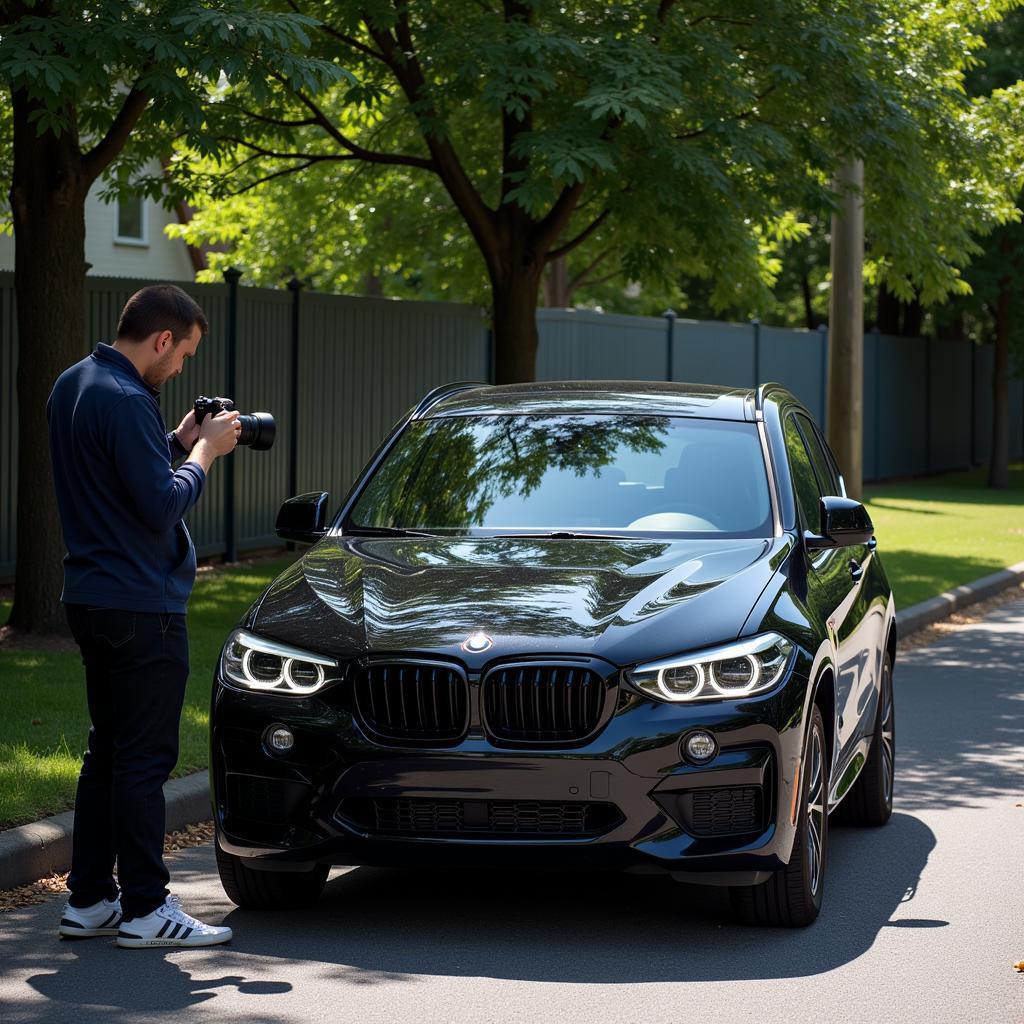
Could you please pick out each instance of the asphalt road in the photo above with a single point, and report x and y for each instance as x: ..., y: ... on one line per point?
x: 923, y: 919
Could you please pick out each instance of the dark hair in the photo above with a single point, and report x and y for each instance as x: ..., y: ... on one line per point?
x: 160, y: 307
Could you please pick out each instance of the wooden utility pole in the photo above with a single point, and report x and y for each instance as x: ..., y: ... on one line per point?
x: 845, y: 408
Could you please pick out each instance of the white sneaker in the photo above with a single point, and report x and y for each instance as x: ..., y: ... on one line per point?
x: 169, y: 925
x: 87, y: 922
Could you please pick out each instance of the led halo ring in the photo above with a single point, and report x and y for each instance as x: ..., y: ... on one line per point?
x: 738, y: 691
x: 303, y: 687
x: 258, y: 684
x: 677, y: 697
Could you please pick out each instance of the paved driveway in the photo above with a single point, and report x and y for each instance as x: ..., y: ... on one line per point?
x: 923, y: 918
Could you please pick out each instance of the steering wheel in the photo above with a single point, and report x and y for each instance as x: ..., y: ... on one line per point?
x: 684, y: 509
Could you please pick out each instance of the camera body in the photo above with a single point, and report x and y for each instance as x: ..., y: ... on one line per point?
x: 258, y: 428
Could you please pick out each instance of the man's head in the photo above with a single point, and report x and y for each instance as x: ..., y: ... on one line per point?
x: 160, y: 327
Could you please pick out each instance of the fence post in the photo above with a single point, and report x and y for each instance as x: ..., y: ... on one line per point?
x: 231, y: 275
x: 823, y: 387
x: 295, y: 287
x: 877, y: 386
x: 928, y: 405
x: 670, y: 345
x: 971, y: 460
x: 756, y: 324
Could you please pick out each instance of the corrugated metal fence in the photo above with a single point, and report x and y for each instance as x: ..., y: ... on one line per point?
x: 363, y: 362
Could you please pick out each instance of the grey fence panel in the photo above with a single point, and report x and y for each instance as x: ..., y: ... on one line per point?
x: 1016, y: 419
x: 584, y: 345
x: 364, y: 362
x: 949, y: 405
x: 872, y: 439
x: 362, y: 365
x: 714, y: 353
x: 901, y: 407
x: 984, y: 361
x: 797, y: 359
x: 8, y: 425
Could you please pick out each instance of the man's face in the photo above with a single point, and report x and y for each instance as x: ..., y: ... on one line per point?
x: 170, y: 363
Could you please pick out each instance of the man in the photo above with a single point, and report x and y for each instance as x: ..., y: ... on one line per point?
x: 128, y: 573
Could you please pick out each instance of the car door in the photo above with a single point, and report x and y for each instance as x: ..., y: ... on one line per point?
x: 831, y: 588
x: 855, y: 639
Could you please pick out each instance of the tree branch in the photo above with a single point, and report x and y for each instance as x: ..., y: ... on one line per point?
x: 562, y: 250
x: 342, y: 37
x: 371, y: 156
x: 682, y: 136
x: 298, y: 122
x: 400, y: 56
x: 288, y: 170
x: 589, y: 269
x: 103, y: 154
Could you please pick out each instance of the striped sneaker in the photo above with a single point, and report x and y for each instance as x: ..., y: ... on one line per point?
x: 101, y: 918
x: 169, y: 925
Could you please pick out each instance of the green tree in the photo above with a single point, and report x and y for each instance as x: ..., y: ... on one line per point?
x: 684, y: 132
x: 96, y: 91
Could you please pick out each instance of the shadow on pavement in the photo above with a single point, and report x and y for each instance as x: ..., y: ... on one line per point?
x: 379, y: 925
x: 962, y: 742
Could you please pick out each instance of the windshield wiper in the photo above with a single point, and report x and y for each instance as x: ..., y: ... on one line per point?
x: 565, y: 535
x: 384, y: 531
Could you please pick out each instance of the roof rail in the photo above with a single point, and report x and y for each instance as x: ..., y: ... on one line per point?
x: 759, y: 395
x: 444, y: 391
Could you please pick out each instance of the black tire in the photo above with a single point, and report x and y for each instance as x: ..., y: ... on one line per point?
x: 869, y: 801
x: 791, y: 898
x: 268, y: 890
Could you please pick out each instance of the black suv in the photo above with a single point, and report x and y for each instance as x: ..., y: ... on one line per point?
x: 602, y: 624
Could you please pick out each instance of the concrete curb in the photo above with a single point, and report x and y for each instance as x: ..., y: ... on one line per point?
x: 43, y: 848
x: 31, y: 852
x: 925, y: 613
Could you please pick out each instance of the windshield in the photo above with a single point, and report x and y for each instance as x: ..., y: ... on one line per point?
x: 573, y: 474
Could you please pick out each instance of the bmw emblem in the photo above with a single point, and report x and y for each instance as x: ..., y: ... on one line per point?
x: 476, y: 643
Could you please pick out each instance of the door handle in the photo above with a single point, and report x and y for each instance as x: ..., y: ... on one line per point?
x: 856, y: 570
x: 872, y: 544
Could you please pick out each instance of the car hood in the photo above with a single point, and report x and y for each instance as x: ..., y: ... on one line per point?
x: 623, y: 600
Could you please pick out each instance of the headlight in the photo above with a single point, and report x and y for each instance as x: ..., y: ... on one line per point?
x: 732, y: 670
x: 259, y: 664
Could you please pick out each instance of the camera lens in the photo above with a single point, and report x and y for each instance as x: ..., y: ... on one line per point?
x: 258, y: 431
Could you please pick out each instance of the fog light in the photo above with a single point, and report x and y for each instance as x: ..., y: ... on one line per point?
x: 700, y: 747
x: 278, y: 739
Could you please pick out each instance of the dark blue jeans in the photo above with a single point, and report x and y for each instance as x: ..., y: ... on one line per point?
x: 136, y: 667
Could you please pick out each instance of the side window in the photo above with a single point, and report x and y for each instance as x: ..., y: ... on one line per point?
x: 805, y: 483
x: 827, y: 482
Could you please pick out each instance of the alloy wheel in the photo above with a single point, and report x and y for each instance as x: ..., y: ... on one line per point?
x: 815, y: 810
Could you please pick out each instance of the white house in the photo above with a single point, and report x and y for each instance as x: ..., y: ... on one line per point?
x: 126, y: 239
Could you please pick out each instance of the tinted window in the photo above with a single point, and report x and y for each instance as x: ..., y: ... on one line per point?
x: 827, y: 483
x: 805, y: 483
x: 582, y: 473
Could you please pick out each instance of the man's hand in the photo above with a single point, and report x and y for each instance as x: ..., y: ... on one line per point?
x: 218, y: 435
x: 188, y: 431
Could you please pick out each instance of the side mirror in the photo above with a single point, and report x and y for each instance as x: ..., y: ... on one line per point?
x: 303, y: 518
x: 844, y: 522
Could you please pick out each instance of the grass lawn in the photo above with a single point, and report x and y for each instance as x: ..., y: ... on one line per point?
x: 939, y: 532
x: 44, y: 726
x: 932, y: 534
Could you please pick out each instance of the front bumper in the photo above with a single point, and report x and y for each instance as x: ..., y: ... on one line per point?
x: 627, y: 799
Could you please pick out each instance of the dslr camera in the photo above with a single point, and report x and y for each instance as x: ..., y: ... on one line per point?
x: 258, y: 428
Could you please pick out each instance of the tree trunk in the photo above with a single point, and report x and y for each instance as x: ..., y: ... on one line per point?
x: 556, y: 284
x: 48, y: 208
x: 845, y: 409
x: 999, y: 467
x: 515, y: 324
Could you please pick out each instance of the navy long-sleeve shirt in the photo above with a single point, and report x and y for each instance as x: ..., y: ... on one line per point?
x: 121, y: 501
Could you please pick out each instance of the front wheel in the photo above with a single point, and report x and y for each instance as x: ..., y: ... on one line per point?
x: 869, y: 802
x: 791, y: 898
x: 268, y: 890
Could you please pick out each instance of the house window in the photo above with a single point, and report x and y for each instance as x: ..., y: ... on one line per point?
x: 131, y: 221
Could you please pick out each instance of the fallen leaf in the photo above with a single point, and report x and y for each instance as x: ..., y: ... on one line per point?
x: 1019, y: 967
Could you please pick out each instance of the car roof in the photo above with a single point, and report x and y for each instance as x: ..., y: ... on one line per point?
x: 590, y: 397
